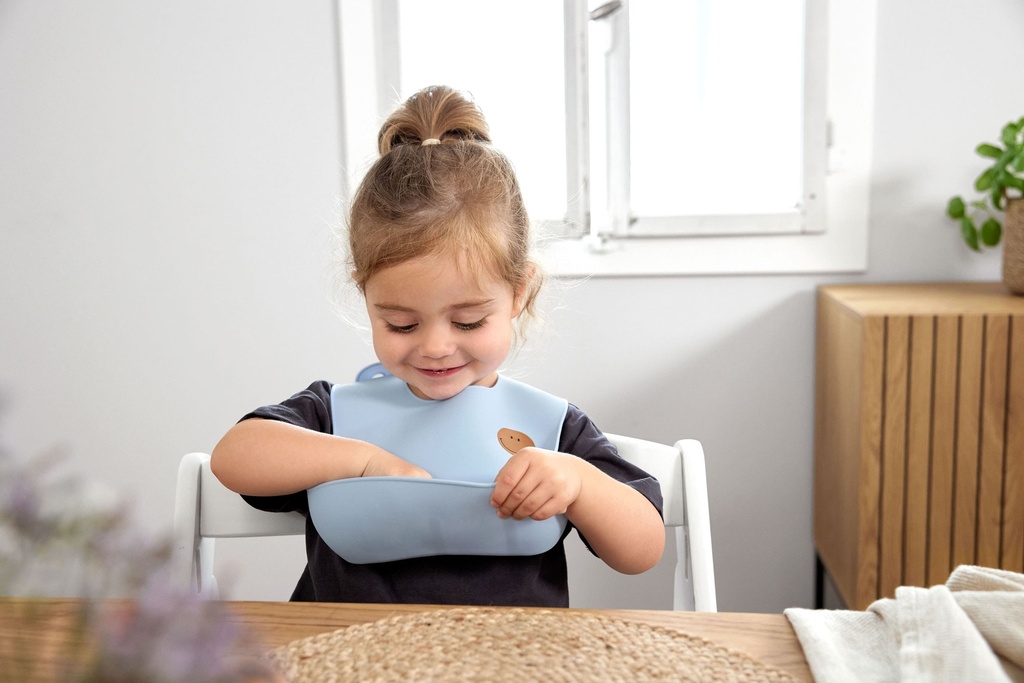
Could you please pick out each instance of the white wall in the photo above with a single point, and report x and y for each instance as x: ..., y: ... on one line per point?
x: 168, y: 182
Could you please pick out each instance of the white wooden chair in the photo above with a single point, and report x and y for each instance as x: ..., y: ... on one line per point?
x: 681, y: 472
x: 205, y: 510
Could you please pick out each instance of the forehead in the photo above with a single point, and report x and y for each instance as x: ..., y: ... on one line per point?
x: 436, y: 279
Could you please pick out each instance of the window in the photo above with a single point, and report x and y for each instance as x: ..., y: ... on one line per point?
x: 696, y: 117
x: 649, y: 137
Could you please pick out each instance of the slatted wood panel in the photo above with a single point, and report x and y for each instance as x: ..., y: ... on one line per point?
x: 965, y: 482
x: 1013, y: 482
x: 942, y: 450
x: 939, y: 444
x: 872, y: 426
x: 894, y: 454
x: 921, y: 349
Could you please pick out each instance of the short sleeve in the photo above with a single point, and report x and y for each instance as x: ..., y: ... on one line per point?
x: 309, y: 409
x: 582, y: 438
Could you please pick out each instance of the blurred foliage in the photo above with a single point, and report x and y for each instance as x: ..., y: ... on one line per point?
x: 133, y: 623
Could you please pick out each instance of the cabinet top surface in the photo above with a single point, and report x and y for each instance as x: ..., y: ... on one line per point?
x: 926, y: 298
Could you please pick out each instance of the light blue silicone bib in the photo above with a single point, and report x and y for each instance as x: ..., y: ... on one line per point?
x: 381, y: 519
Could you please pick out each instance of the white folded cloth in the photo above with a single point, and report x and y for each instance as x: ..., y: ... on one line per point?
x: 970, y: 629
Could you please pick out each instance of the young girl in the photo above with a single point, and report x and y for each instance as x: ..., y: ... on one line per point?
x: 439, y: 247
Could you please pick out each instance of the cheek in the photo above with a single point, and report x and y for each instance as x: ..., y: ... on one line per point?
x: 384, y: 344
x: 500, y: 342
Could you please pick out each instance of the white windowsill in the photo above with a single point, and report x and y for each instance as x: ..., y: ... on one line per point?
x: 839, y: 250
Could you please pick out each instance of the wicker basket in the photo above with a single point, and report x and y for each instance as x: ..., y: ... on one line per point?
x: 1013, y: 246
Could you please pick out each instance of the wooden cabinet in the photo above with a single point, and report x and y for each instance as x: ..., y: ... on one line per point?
x: 919, y: 434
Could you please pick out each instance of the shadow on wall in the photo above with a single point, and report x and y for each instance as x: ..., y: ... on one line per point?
x: 915, y: 223
x: 748, y: 396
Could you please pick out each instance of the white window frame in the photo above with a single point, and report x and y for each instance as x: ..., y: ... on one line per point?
x: 835, y: 242
x: 617, y: 219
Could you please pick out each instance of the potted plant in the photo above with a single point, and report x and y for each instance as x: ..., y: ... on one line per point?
x: 999, y: 214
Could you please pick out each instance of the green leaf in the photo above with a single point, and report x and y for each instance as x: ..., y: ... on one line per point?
x: 984, y: 181
x: 969, y: 233
x: 987, y: 150
x: 1016, y: 165
x: 999, y: 181
x: 991, y: 232
x: 956, y: 209
x: 1010, y: 131
x: 1005, y: 158
x: 1014, y: 182
x: 997, y: 197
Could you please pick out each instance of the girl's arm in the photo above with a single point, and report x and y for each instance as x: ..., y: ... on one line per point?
x: 620, y: 524
x: 260, y: 457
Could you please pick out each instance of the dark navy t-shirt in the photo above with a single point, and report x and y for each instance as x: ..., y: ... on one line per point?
x: 536, y: 580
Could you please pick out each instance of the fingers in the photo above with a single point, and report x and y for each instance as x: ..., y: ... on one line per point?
x: 506, y: 498
x: 536, y: 484
x: 384, y: 464
x: 413, y: 471
x: 527, y: 500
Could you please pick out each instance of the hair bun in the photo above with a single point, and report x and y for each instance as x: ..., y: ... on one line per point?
x: 430, y: 116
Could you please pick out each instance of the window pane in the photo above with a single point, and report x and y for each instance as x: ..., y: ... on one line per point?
x: 509, y: 57
x: 716, y: 89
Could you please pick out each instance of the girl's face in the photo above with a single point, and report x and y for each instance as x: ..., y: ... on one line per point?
x: 439, y: 328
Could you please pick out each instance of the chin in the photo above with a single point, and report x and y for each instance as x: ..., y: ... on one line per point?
x: 440, y: 393
x: 434, y: 392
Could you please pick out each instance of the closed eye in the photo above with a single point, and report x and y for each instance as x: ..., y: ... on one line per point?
x: 466, y: 327
x: 403, y: 329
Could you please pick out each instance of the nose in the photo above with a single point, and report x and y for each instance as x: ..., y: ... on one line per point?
x: 437, y: 341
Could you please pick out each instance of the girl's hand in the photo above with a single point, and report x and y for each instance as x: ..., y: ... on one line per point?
x: 538, y: 484
x: 384, y: 464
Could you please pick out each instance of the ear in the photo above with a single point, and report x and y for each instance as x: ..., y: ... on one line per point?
x: 520, y: 294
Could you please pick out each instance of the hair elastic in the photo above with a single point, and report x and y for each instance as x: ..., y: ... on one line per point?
x: 430, y: 141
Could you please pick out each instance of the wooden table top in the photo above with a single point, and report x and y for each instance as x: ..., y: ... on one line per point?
x: 768, y: 638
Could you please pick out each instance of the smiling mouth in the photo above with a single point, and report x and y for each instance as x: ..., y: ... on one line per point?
x: 443, y: 372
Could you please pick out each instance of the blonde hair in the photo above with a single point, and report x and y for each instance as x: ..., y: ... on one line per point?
x: 441, y: 188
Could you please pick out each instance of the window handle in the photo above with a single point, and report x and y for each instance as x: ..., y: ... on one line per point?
x: 605, y: 10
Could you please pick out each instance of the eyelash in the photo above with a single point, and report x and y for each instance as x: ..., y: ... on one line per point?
x: 465, y: 327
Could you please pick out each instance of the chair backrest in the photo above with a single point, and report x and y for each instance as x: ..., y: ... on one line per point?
x: 681, y: 472
x: 205, y: 510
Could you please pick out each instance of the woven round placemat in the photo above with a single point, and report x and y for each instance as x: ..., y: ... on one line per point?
x: 486, y: 644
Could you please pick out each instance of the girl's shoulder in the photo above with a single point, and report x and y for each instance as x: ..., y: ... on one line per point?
x: 309, y: 408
